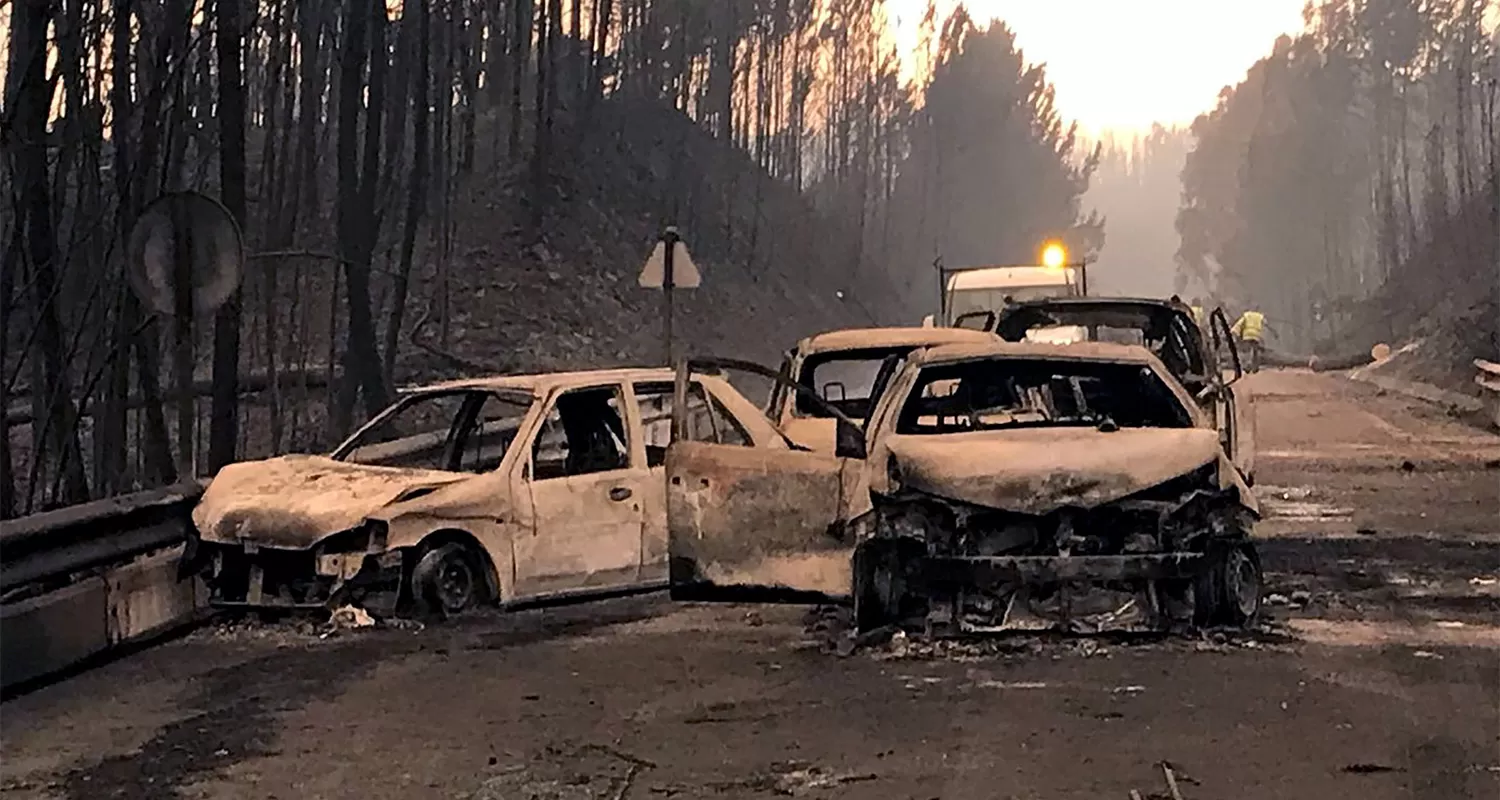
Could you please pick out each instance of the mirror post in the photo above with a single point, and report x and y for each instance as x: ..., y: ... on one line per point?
x: 679, y: 402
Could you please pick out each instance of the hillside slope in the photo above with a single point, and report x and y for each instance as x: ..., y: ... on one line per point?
x: 773, y: 269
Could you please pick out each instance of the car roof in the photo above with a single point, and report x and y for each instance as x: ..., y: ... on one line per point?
x: 542, y: 383
x: 861, y: 338
x: 1096, y: 300
x: 1075, y: 351
x: 1003, y: 277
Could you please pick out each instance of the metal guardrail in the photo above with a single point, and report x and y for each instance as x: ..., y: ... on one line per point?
x: 1489, y: 380
x: 84, y: 580
x: 55, y: 544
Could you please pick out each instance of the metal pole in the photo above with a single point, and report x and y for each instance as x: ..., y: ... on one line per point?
x: 942, y: 292
x: 182, y: 327
x: 669, y: 242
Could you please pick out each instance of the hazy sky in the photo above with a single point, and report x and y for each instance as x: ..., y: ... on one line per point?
x: 1123, y: 64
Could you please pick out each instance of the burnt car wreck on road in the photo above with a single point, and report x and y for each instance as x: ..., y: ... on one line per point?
x: 993, y: 487
x: 489, y: 490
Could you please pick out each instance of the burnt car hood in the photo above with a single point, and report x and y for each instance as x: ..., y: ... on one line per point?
x: 1039, y: 470
x: 294, y: 501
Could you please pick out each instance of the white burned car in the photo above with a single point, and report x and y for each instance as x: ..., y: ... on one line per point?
x: 994, y: 486
x: 497, y: 489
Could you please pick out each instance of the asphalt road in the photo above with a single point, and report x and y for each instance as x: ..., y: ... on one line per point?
x: 1380, y: 677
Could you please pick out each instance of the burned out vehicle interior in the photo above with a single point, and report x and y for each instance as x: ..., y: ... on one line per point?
x: 976, y: 396
x: 993, y: 487
x: 462, y: 494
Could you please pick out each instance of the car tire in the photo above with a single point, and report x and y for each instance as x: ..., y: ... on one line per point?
x: 449, y: 579
x: 1241, y: 585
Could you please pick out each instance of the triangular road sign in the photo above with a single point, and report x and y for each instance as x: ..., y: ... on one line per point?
x: 685, y: 273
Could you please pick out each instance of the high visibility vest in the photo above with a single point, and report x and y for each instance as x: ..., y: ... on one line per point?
x: 1251, y: 326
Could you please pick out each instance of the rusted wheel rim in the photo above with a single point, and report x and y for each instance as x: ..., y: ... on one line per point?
x: 455, y: 585
x: 1243, y: 582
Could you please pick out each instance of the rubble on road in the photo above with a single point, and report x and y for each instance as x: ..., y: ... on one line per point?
x: 350, y: 617
x: 830, y: 629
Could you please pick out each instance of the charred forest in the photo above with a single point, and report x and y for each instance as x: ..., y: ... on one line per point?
x: 437, y: 189
x: 1350, y: 184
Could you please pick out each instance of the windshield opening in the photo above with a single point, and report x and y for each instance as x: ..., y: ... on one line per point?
x: 451, y: 431
x: 845, y: 380
x: 993, y: 394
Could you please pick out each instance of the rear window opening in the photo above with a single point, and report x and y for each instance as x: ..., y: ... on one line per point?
x: 845, y: 380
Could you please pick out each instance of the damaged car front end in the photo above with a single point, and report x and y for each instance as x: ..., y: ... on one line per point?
x: 1016, y: 486
x: 260, y: 546
x: 365, y: 525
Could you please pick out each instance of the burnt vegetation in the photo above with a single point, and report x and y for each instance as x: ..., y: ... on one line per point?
x: 438, y: 188
x: 1350, y: 184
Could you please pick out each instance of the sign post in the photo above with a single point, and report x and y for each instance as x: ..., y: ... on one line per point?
x: 182, y: 335
x: 669, y: 268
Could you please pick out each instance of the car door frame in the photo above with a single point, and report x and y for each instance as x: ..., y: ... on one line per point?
x: 1242, y: 438
x: 635, y: 476
x: 752, y: 523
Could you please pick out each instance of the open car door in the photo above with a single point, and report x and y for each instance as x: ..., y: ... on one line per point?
x: 749, y: 523
x: 1236, y: 415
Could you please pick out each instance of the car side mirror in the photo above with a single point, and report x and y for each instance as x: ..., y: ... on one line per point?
x: 849, y: 440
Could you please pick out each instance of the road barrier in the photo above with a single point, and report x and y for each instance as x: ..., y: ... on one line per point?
x: 1489, y: 380
x: 80, y: 581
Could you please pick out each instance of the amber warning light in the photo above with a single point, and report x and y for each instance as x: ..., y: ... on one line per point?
x: 1054, y: 256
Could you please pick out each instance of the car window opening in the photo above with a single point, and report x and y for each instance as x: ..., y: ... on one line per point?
x: 845, y: 380
x: 453, y: 431
x: 583, y: 434
x: 995, y: 394
x: 707, y: 420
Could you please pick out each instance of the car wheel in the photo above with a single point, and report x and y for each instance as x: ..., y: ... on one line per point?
x: 450, y: 578
x: 1241, y: 585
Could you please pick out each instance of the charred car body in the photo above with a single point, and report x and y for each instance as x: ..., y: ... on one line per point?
x: 498, y: 489
x: 991, y: 486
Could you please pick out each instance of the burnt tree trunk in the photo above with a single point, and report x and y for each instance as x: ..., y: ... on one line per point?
x: 356, y: 212
x: 416, y: 195
x: 521, y: 19
x: 224, y: 416
x: 54, y: 434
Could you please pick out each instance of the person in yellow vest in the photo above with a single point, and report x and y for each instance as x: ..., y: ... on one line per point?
x: 1198, y: 315
x: 1250, y: 330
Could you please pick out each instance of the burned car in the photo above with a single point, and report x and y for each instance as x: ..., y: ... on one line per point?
x: 469, y: 492
x: 1207, y: 366
x: 991, y: 486
x: 841, y: 367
